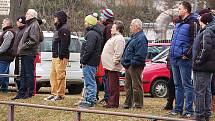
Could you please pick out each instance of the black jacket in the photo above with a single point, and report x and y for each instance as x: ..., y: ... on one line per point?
x: 61, y: 41
x: 204, y: 50
x: 19, y: 34
x: 91, y: 48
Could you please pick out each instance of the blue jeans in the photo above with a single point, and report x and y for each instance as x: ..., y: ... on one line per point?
x: 27, y: 76
x: 4, y: 82
x: 89, y: 73
x: 181, y: 70
x: 202, y: 100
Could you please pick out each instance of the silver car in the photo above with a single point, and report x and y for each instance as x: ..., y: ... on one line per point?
x: 74, y: 81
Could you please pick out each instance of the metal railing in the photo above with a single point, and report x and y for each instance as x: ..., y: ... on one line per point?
x: 78, y: 111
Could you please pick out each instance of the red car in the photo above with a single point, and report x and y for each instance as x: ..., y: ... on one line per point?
x: 154, y: 76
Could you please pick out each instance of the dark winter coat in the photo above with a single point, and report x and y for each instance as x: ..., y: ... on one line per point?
x: 91, y: 48
x: 19, y: 34
x: 29, y: 44
x: 204, y: 50
x: 61, y: 41
x: 106, y: 32
x: 7, y: 55
x: 135, y: 51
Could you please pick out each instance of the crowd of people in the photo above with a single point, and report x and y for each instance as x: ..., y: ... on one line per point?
x: 105, y: 53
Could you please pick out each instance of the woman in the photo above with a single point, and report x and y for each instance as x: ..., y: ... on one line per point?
x: 111, y: 56
x: 203, y: 67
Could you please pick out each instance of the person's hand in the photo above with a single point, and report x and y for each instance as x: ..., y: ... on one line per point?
x: 185, y: 57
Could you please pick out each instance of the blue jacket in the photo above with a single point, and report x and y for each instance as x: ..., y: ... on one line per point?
x: 183, y: 38
x: 135, y: 51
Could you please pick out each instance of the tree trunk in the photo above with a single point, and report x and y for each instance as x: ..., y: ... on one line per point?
x: 18, y: 8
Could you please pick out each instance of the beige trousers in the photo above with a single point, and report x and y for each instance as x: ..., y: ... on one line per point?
x: 58, y: 76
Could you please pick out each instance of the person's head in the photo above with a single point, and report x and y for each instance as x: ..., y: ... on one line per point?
x: 31, y: 13
x: 203, y: 11
x: 136, y: 26
x: 60, y: 17
x: 20, y: 21
x: 117, y: 27
x: 175, y: 20
x: 106, y: 15
x: 184, y: 9
x: 205, y: 19
x: 90, y: 21
x: 6, y: 22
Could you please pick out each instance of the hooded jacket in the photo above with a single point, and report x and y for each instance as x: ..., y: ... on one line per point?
x: 183, y: 38
x: 91, y: 48
x: 61, y: 39
x: 204, y: 50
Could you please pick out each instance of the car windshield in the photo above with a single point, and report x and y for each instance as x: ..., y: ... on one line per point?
x: 161, y: 57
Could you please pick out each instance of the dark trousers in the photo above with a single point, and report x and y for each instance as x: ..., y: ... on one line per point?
x: 27, y: 76
x: 171, y: 90
x: 213, y: 85
x: 113, y: 77
x: 17, y: 71
x: 133, y: 87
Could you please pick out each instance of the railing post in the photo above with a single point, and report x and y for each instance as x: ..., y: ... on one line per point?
x: 78, y: 116
x: 11, y: 112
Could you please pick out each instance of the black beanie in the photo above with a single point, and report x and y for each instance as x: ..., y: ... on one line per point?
x: 203, y: 11
x: 206, y: 18
x: 21, y: 19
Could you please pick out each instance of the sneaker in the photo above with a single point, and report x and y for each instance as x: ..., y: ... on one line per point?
x: 49, y: 97
x: 187, y: 115
x: 174, y: 113
x: 57, y: 98
x: 85, y: 104
x: 126, y: 106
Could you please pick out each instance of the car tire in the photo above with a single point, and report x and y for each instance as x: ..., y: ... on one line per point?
x: 75, y: 89
x: 159, y: 88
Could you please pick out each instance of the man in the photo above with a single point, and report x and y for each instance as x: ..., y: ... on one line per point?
x: 203, y: 67
x: 107, y: 19
x: 90, y: 58
x: 6, y: 44
x: 181, y: 59
x: 19, y: 33
x: 133, y: 60
x: 60, y: 54
x: 27, y: 50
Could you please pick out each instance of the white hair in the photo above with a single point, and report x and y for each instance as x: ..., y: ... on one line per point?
x: 32, y: 13
x: 138, y: 23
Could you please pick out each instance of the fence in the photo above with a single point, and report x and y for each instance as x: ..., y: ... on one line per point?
x: 78, y: 111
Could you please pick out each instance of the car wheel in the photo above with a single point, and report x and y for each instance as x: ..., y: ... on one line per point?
x: 75, y: 89
x: 159, y: 88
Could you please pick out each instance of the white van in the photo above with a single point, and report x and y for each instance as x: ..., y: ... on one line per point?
x: 74, y: 74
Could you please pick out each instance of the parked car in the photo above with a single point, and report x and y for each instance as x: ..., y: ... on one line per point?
x: 154, y: 76
x: 74, y: 81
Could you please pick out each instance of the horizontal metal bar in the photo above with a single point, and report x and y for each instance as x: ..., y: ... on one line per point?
x: 94, y: 111
x: 11, y: 75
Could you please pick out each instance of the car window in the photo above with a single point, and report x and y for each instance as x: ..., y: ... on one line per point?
x: 75, y: 45
x: 155, y: 50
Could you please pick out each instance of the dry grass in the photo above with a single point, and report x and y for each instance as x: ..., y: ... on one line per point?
x: 152, y: 106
